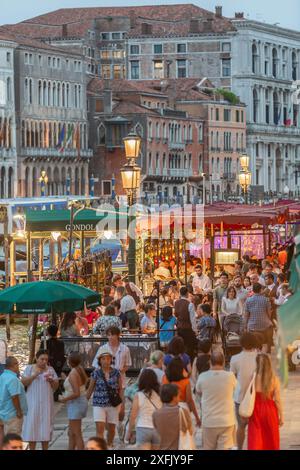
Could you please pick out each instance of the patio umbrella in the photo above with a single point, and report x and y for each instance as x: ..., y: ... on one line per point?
x: 46, y: 297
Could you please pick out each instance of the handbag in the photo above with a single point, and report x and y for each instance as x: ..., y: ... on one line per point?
x: 113, y: 396
x: 246, y: 407
x: 186, y: 439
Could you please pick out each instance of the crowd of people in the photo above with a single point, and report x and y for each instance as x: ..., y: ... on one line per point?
x: 194, y: 380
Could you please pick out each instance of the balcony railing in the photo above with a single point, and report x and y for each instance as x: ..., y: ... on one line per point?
x: 171, y: 172
x: 7, y: 153
x: 53, y: 152
x: 268, y: 128
x: 176, y: 146
x: 230, y: 176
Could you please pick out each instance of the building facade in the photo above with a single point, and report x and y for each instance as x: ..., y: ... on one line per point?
x: 172, y: 141
x: 265, y: 69
x: 8, y: 151
x: 51, y: 120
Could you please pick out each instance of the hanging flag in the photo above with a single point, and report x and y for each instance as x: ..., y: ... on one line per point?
x: 61, y: 138
x: 288, y: 121
x: 69, y: 138
x: 77, y: 140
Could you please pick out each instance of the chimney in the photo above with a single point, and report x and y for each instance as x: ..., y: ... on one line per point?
x: 146, y: 28
x: 132, y: 17
x: 239, y: 15
x: 107, y: 97
x: 194, y: 26
x: 219, y: 11
x: 64, y: 30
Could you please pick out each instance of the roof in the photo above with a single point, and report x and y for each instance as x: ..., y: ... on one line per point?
x: 128, y: 107
x: 167, y: 20
x: 10, y: 35
x: 97, y: 85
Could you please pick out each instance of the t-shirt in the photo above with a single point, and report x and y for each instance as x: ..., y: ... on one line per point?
x: 217, y: 405
x: 243, y: 365
x: 184, y: 357
x: 218, y: 295
x: 166, y: 423
x: 148, y: 323
x: 147, y: 406
x: 166, y: 336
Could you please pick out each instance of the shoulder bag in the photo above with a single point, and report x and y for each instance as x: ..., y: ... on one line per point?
x: 186, y: 439
x: 246, y: 407
x: 114, y: 396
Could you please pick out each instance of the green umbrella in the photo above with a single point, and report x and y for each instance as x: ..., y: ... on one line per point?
x: 46, y: 297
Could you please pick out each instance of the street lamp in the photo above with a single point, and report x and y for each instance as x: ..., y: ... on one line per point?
x: 44, y: 182
x: 131, y: 179
x: 245, y: 181
x: 244, y: 162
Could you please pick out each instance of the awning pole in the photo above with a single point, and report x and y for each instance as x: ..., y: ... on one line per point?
x: 33, y: 339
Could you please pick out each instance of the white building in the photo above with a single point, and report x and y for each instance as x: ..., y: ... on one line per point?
x: 8, y: 153
x: 265, y: 65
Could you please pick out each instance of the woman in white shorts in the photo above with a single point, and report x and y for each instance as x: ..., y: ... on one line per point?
x: 145, y: 402
x: 104, y: 413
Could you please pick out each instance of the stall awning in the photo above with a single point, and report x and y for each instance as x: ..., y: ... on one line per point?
x: 59, y: 220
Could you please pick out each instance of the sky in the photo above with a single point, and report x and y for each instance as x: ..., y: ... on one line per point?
x: 286, y: 13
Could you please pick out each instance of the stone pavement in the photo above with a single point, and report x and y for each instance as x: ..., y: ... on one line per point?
x: 290, y: 432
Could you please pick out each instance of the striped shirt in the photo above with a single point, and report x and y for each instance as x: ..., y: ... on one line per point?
x: 257, y: 313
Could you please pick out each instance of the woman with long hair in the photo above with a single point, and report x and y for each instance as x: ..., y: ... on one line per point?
x: 75, y: 398
x: 145, y: 402
x: 175, y: 375
x: 176, y: 349
x: 68, y: 325
x: 267, y: 417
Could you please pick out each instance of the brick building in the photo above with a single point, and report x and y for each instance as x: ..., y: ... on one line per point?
x: 172, y: 141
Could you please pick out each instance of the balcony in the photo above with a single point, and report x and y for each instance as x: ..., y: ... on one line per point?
x: 171, y: 172
x: 53, y: 152
x: 176, y: 146
x: 7, y: 153
x: 229, y: 176
x: 271, y: 128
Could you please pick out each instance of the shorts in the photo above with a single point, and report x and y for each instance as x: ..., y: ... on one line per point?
x: 106, y: 414
x: 147, y: 436
x: 12, y: 426
x: 77, y: 409
x: 218, y: 438
x: 242, y: 422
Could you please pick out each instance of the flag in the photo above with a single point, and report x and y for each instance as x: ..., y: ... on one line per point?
x: 61, y: 139
x: 69, y: 136
x: 77, y: 139
x: 288, y: 121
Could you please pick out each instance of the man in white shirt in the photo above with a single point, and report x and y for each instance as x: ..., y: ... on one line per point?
x: 241, y: 292
x: 243, y: 366
x: 201, y: 283
x: 216, y: 388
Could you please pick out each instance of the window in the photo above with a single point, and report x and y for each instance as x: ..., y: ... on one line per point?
x: 8, y: 57
x: 200, y: 133
x: 217, y: 114
x: 226, y: 47
x: 105, y: 71
x: 226, y: 67
x: 181, y: 69
x: 105, y: 54
x: 294, y: 66
x: 116, y: 36
x: 227, y: 115
x: 135, y: 69
x: 255, y: 57
x: 157, y: 48
x: 67, y: 64
x: 237, y: 116
x: 105, y: 36
x: 49, y: 61
x: 117, y: 54
x: 242, y: 116
x: 134, y: 49
x: 117, y: 72
x: 54, y: 62
x: 106, y: 188
x: 158, y: 69
x: 40, y: 61
x: 8, y: 89
x: 181, y: 48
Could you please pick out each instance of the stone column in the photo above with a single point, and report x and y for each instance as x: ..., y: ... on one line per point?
x: 265, y: 166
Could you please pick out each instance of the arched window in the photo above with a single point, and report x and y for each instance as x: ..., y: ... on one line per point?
x: 8, y: 90
x: 157, y: 130
x: 164, y: 160
x: 25, y: 91
x: 68, y: 95
x: 190, y: 133
x: 44, y: 93
x: 63, y: 95
x: 10, y: 183
x: 75, y: 96
x: 139, y: 129
x: 49, y: 94
x: 255, y: 105
x: 58, y: 94
x: 40, y: 97
x: 30, y: 91
x: 101, y: 135
x: 218, y: 165
x: 294, y: 66
x: 34, y: 181
x: 79, y: 96
x: 27, y: 182
x: 274, y: 62
x: 254, y: 59
x: 54, y: 97
x: 150, y: 129
x: 276, y: 108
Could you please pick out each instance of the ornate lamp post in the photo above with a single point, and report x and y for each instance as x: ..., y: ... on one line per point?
x: 131, y: 178
x: 44, y: 182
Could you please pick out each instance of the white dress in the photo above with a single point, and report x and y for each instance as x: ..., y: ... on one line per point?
x: 38, y: 423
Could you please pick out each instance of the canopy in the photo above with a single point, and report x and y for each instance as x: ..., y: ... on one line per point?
x: 59, y: 220
x: 47, y: 297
